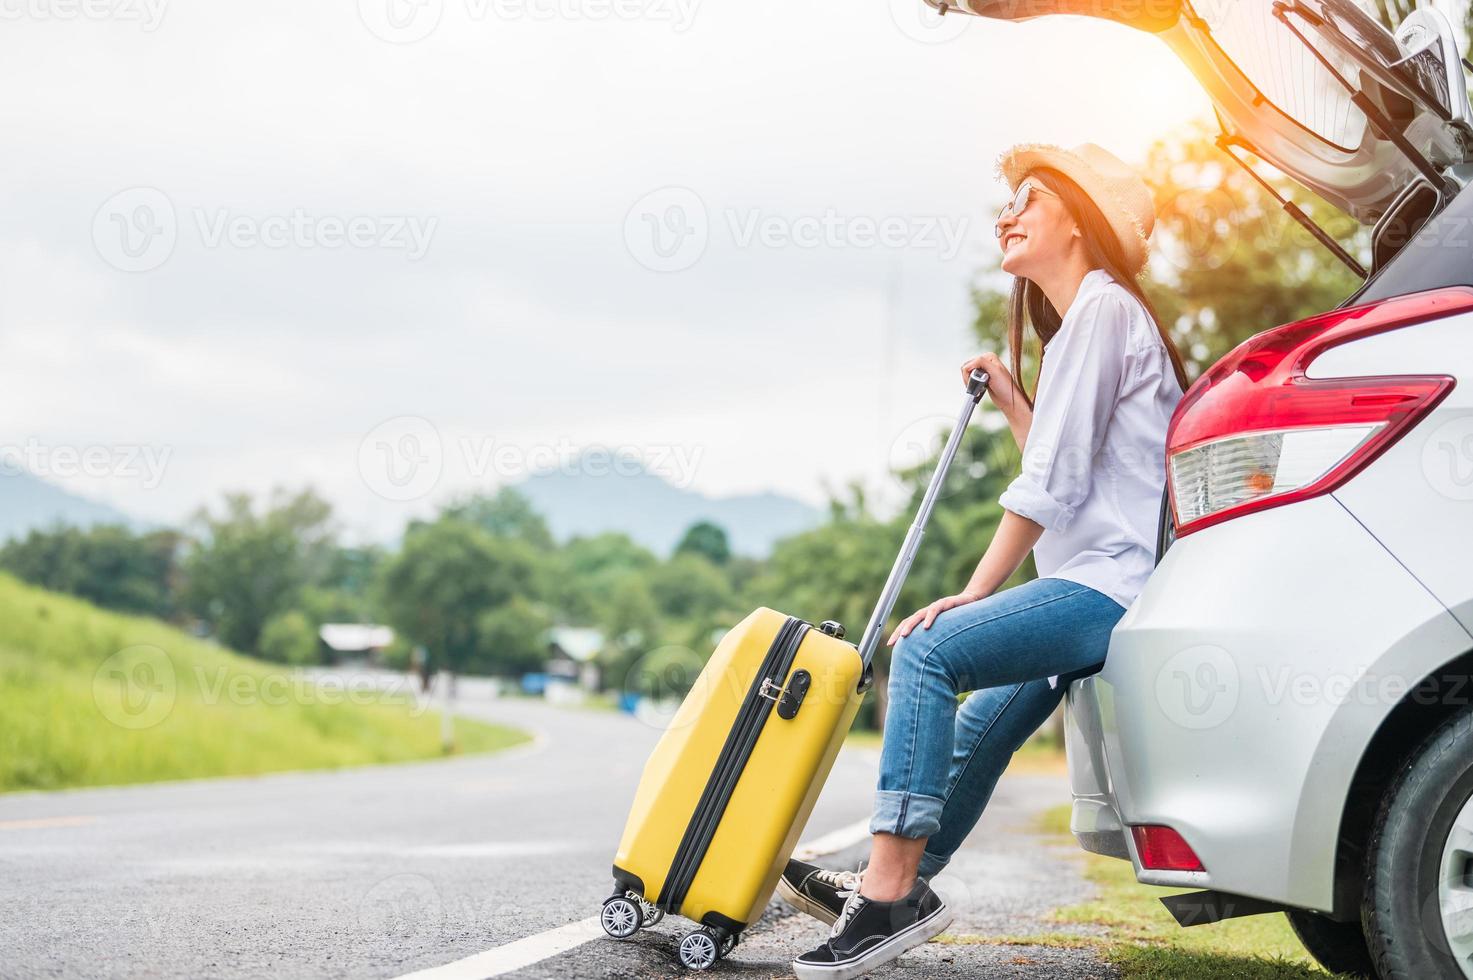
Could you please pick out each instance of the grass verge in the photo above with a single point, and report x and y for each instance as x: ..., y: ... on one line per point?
x: 90, y: 698
x: 1144, y: 942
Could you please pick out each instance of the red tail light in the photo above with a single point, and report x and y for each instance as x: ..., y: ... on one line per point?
x: 1163, y: 849
x: 1254, y: 432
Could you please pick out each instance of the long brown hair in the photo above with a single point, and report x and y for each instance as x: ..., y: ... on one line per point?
x: 1029, y: 305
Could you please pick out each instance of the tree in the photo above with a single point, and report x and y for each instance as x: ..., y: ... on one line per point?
x: 706, y: 539
x: 507, y: 514
x: 838, y: 570
x: 512, y: 638
x: 604, y: 552
x: 444, y: 580
x: 351, y: 570
x: 290, y: 638
x: 834, y: 571
x: 1229, y: 263
x: 244, y: 567
x: 626, y: 613
x: 109, y: 565
x: 343, y: 592
x: 585, y: 567
x: 689, y: 586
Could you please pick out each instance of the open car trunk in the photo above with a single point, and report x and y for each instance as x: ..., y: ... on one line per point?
x: 1317, y: 88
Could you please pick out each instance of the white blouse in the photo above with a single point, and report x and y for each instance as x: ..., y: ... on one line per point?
x: 1094, y: 464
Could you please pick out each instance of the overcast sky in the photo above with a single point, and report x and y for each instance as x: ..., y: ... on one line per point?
x: 395, y: 251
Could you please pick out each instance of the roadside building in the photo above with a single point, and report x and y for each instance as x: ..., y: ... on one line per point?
x: 350, y: 642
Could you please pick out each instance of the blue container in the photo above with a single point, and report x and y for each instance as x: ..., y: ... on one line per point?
x: 629, y: 701
x: 534, y: 683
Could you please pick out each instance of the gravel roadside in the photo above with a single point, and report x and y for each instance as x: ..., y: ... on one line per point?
x: 1004, y: 882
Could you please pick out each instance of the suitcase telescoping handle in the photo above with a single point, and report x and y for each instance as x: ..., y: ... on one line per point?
x: 976, y: 388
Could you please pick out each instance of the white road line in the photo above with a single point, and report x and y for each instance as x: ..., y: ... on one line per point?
x: 538, y: 742
x: 534, y: 949
x: 41, y: 823
x: 477, y: 849
x: 515, y: 955
x: 830, y: 843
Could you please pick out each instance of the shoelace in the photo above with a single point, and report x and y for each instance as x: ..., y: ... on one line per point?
x: 852, y: 905
x: 846, y: 883
x: 842, y: 882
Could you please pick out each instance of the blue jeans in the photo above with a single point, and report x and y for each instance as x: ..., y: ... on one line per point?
x: 939, y: 762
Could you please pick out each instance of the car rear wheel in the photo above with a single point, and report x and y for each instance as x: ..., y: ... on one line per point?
x: 1339, y: 947
x: 1418, y: 905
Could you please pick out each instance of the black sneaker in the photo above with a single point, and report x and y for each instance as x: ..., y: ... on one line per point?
x: 817, y: 891
x: 868, y: 934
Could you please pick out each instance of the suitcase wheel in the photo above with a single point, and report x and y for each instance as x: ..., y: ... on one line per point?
x: 622, y: 916
x: 700, y: 949
x: 652, y: 912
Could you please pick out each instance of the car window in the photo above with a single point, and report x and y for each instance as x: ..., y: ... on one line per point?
x: 1284, y: 70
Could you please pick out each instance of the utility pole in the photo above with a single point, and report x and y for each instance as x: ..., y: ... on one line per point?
x: 447, y: 714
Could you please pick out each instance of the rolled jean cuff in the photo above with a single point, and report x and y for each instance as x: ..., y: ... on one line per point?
x: 906, y: 814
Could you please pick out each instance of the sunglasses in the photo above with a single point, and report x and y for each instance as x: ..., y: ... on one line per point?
x: 1017, y: 204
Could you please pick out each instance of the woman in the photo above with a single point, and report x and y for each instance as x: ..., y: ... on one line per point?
x: 1086, y: 504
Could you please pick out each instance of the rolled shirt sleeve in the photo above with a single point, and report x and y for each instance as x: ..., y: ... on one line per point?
x: 1083, y: 368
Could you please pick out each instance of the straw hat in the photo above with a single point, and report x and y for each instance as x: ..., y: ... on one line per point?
x: 1116, y: 189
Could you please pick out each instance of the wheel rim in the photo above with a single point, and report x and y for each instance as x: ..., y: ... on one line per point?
x: 698, y: 950
x: 1455, y: 889
x: 652, y: 912
x: 620, y: 918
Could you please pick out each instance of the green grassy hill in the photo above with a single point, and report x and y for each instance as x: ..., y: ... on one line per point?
x: 90, y: 697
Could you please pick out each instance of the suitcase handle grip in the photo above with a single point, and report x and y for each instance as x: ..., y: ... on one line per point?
x: 976, y: 388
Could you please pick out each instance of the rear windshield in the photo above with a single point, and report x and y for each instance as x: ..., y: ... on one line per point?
x: 1285, y: 71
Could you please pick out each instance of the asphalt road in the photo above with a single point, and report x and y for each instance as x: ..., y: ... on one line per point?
x: 382, y: 871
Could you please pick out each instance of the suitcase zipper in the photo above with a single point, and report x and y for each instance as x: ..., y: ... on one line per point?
x: 729, y: 765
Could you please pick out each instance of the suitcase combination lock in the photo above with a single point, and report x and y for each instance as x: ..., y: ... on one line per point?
x: 789, y: 699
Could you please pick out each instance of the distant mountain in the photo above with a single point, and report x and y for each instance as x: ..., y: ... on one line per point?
x: 656, y: 513
x: 27, y: 502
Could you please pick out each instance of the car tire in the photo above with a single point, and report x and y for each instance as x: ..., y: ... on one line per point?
x: 1402, y: 911
x: 1339, y: 947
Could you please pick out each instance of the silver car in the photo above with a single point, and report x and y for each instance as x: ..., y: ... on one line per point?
x: 1284, y: 721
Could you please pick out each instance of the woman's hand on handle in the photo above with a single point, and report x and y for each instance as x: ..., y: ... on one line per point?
x: 1000, y: 379
x: 1003, y: 389
x: 925, y: 617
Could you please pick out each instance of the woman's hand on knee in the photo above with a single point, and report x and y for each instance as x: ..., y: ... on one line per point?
x: 926, y: 616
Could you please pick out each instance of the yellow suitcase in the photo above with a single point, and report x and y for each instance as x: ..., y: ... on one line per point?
x: 728, y: 788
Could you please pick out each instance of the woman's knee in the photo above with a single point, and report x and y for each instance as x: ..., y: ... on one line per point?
x: 921, y: 656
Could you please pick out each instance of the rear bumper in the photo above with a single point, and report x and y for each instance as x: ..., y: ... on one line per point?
x: 1240, y: 692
